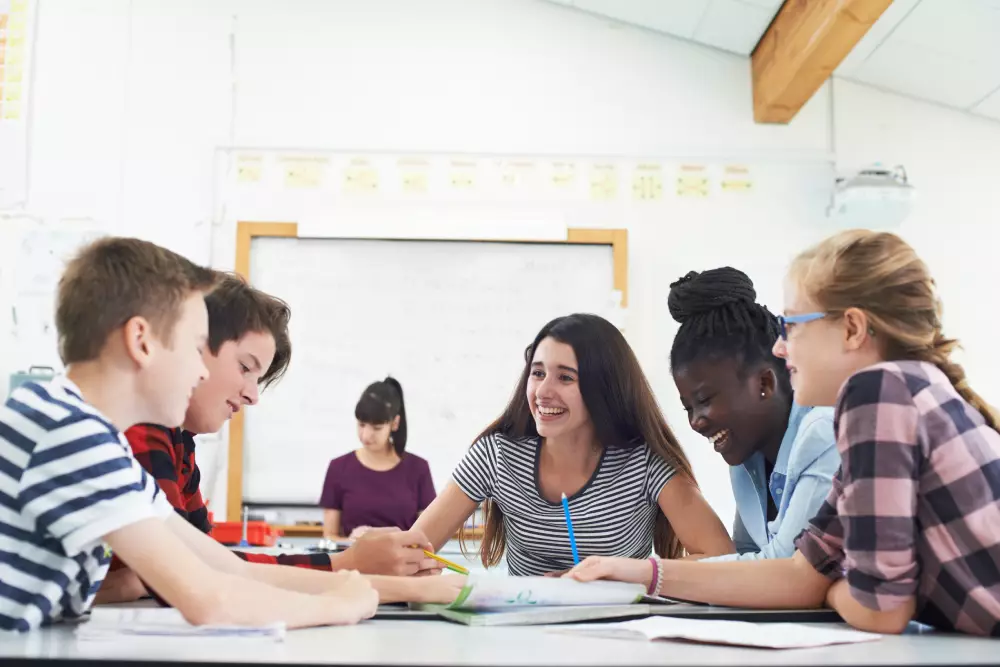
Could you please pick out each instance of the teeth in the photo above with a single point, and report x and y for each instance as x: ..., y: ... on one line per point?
x: 551, y: 411
x: 718, y: 436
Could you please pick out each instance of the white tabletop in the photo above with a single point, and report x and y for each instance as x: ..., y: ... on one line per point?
x: 442, y: 644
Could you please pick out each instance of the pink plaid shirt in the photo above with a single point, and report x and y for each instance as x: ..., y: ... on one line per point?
x: 915, y: 507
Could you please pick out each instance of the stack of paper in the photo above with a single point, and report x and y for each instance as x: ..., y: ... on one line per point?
x: 108, y: 623
x: 736, y: 633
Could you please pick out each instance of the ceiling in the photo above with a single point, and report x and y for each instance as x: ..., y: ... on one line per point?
x: 944, y: 51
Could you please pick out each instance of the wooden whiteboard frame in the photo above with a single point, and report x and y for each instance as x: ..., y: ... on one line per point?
x: 246, y: 232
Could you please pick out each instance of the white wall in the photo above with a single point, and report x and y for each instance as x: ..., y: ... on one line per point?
x: 951, y: 159
x: 133, y: 98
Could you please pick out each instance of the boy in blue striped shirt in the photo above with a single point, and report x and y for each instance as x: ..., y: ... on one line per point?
x: 132, y: 326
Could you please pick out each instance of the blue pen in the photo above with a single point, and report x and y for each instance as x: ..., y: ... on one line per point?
x: 569, y: 527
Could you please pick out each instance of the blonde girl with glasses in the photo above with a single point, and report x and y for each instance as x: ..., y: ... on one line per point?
x: 911, y: 528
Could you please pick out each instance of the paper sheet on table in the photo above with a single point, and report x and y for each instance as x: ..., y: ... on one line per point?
x: 109, y: 624
x: 736, y: 633
x: 485, y: 592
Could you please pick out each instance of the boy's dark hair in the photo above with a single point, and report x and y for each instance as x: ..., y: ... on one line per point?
x: 235, y: 308
x: 721, y: 319
x: 382, y: 402
x: 114, y: 279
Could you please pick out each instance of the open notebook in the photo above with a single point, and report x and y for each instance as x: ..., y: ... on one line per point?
x: 116, y: 623
x: 733, y: 633
x: 501, y: 600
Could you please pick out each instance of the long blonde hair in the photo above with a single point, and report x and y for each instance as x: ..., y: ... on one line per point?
x: 880, y: 274
x: 621, y: 405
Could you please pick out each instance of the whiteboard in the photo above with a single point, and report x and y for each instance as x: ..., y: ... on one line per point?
x: 449, y: 319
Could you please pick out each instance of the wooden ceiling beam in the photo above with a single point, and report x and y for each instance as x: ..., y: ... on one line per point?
x: 805, y: 43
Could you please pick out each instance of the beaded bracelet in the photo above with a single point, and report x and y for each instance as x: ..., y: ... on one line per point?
x: 657, y: 580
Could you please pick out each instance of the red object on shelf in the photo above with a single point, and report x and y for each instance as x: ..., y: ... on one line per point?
x: 259, y: 533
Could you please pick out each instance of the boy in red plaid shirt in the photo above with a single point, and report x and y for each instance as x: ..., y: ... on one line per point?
x: 248, y: 350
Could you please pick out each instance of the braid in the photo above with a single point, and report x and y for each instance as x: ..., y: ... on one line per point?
x: 939, y: 354
x: 720, y: 318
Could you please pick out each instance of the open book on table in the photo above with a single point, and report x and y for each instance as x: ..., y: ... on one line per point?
x: 502, y: 600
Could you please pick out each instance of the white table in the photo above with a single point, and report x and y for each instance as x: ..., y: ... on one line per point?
x: 442, y: 644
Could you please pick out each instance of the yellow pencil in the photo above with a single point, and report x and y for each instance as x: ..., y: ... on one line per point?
x: 447, y: 563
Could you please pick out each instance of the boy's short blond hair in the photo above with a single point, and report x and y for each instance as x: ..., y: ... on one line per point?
x: 114, y: 279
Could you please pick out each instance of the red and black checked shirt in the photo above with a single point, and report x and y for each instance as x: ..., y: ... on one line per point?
x: 915, y: 508
x: 168, y: 455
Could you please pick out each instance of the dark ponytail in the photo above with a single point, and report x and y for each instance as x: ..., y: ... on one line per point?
x: 381, y: 403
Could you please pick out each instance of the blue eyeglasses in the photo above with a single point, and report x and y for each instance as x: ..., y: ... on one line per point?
x: 785, y: 320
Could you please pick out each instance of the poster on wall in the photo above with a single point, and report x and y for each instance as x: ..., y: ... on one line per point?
x: 16, y: 30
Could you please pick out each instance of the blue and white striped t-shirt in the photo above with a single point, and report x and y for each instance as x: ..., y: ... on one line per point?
x: 67, y: 479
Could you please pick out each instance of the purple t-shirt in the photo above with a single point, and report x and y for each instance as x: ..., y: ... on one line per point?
x: 377, y: 498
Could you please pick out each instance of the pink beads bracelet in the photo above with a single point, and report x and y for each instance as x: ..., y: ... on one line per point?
x: 657, y: 581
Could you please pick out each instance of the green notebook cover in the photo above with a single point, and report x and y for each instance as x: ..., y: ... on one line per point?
x: 538, y: 615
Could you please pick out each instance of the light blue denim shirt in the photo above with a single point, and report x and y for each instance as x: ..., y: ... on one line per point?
x: 800, y: 482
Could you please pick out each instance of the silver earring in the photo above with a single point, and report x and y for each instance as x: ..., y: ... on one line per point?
x: 763, y: 395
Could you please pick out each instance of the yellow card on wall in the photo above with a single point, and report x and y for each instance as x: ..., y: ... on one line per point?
x: 304, y: 172
x: 563, y: 175
x: 464, y: 174
x: 692, y: 181
x: 12, y: 73
x: 360, y: 177
x: 647, y: 182
x: 16, y: 24
x: 414, y: 175
x: 249, y: 168
x: 736, y: 178
x: 603, y: 182
x: 518, y: 173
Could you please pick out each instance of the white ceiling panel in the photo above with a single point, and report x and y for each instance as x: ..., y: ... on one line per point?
x: 917, y: 71
x: 990, y: 107
x: 883, y: 28
x: 773, y: 5
x: 731, y: 25
x: 735, y: 25
x: 676, y: 17
x: 967, y: 29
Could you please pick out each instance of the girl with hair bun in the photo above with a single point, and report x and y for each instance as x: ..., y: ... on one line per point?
x: 379, y: 485
x: 910, y: 529
x: 737, y: 394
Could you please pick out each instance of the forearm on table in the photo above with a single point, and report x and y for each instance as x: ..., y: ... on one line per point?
x: 777, y: 583
x: 303, y: 580
x: 394, y: 589
x: 239, y: 601
x: 893, y: 621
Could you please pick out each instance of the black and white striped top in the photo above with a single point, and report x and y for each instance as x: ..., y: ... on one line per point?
x: 613, y: 514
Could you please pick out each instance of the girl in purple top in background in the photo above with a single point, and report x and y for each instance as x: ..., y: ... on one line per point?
x: 379, y: 485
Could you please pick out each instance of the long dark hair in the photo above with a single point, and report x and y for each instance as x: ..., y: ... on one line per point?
x: 621, y: 405
x: 382, y: 402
